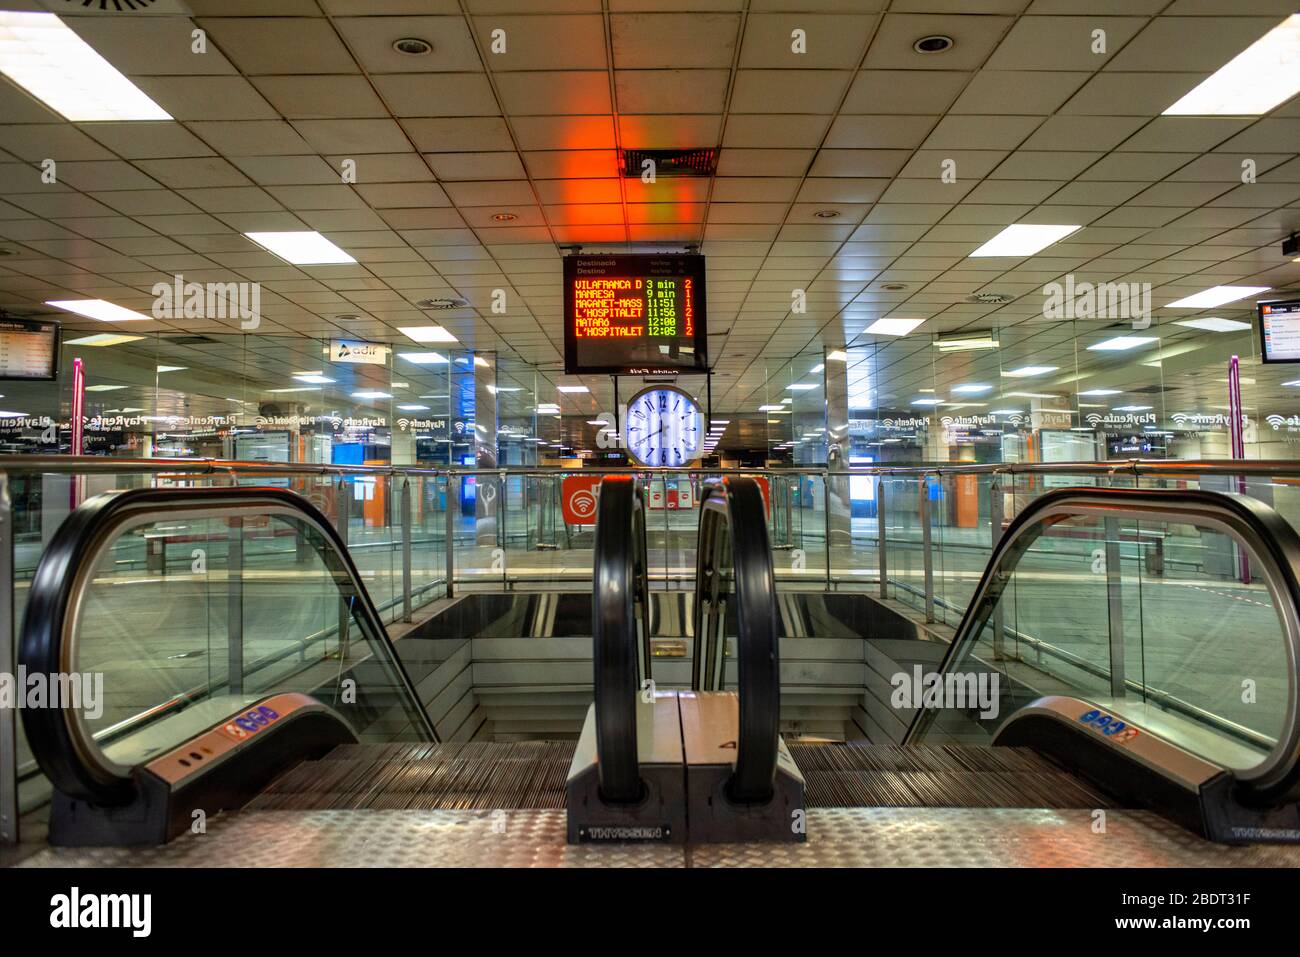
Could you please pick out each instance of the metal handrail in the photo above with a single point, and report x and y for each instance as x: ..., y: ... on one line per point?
x: 97, y: 464
x: 1252, y: 524
x: 64, y: 747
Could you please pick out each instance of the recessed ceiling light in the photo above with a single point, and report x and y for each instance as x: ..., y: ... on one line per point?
x: 1121, y: 343
x: 801, y: 386
x: 1216, y: 296
x: 1023, y: 239
x: 371, y: 394
x: 972, y: 388
x: 423, y: 358
x: 771, y: 408
x: 572, y: 388
x: 817, y: 368
x: 413, y: 408
x: 935, y: 43
x: 1101, y: 392
x: 965, y: 342
x: 504, y: 217
x: 827, y: 213
x: 894, y: 286
x: 97, y: 309
x: 312, y: 378
x: 1213, y: 324
x: 719, y: 421
x: 837, y: 356
x: 427, y: 333
x: 1025, y: 371
x: 1251, y: 83
x: 412, y: 46
x: 46, y: 58
x: 101, y: 339
x: 301, y: 248
x: 892, y: 327
x: 104, y: 388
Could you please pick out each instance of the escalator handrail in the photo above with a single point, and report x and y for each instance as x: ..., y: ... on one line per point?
x: 738, y: 504
x: 618, y: 572
x: 1250, y: 522
x: 58, y: 737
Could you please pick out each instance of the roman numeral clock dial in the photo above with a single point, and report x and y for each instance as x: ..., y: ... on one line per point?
x: 663, y: 427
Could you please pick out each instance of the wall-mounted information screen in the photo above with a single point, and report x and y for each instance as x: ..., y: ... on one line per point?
x: 1279, y: 330
x: 29, y: 349
x: 634, y: 314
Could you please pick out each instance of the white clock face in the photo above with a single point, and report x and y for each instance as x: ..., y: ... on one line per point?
x: 663, y: 428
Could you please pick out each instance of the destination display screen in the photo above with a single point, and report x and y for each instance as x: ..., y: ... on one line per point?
x: 29, y: 349
x: 634, y: 314
x: 1279, y: 330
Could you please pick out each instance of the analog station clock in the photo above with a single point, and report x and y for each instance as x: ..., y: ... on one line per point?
x: 663, y: 427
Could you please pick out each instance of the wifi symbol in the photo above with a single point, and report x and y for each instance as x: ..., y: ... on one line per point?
x: 1094, y: 418
x: 403, y: 423
x: 1276, y: 421
x: 1180, y: 418
x: 946, y: 420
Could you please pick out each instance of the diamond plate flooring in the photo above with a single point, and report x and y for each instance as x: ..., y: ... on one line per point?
x: 845, y: 837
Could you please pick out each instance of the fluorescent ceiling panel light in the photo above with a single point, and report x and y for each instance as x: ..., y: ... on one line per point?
x: 97, y: 309
x: 427, y: 334
x: 1121, y: 344
x: 1293, y: 382
x: 719, y: 422
x: 972, y: 388
x: 1006, y: 412
x: 301, y: 248
x: 480, y: 361
x: 494, y: 389
x: 800, y: 386
x: 423, y: 358
x: 572, y: 388
x: 1025, y: 371
x: 966, y: 343
x: 414, y: 408
x: 40, y: 53
x: 101, y: 339
x: 1133, y: 408
x: 1031, y: 395
x: 1023, y: 239
x: 837, y: 356
x: 1101, y: 392
x: 1254, y: 81
x: 172, y: 368
x: 817, y: 368
x: 1213, y: 324
x: 104, y: 388
x: 371, y: 394
x: 11, y: 415
x: 1216, y: 296
x: 301, y: 388
x: 770, y: 408
x: 890, y: 327
x: 313, y: 378
x: 927, y: 401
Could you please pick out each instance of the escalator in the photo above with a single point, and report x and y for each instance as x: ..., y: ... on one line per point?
x: 1021, y: 734
x: 301, y: 705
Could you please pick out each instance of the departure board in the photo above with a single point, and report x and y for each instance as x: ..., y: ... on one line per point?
x: 29, y: 349
x: 1279, y: 330
x: 634, y: 314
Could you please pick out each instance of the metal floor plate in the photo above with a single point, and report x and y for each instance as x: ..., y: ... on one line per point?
x: 841, y: 837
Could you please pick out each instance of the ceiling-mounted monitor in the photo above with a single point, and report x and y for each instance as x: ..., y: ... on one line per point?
x: 29, y: 349
x: 635, y: 314
x: 1279, y: 330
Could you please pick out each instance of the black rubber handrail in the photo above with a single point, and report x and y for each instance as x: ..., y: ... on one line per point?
x: 619, y: 608
x: 1273, y: 541
x: 735, y: 507
x: 62, y: 746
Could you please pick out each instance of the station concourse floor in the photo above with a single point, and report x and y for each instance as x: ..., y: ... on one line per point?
x: 837, y: 837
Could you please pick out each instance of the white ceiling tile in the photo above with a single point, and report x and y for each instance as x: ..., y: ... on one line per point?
x: 671, y: 91
x: 261, y: 45
x: 788, y: 91
x: 651, y: 41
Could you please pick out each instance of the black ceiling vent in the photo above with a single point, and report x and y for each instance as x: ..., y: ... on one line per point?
x: 694, y: 162
x: 188, y: 340
x: 117, y: 5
